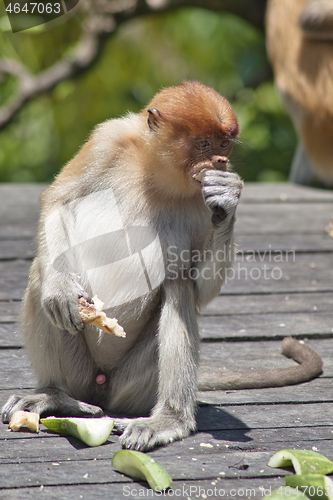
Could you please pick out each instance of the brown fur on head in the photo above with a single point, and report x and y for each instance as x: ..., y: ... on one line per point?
x: 195, y: 109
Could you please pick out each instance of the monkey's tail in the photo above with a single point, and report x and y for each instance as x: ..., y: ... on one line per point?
x: 310, y: 365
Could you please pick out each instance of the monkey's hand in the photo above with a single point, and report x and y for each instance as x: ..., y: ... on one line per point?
x: 60, y: 301
x: 221, y: 191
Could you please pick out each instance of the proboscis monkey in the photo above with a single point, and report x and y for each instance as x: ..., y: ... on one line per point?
x: 299, y: 36
x: 137, y: 218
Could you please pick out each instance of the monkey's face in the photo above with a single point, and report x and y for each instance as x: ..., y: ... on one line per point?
x: 207, y: 153
x: 191, y: 128
x: 180, y: 160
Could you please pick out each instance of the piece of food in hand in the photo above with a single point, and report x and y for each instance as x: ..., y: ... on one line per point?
x: 200, y: 175
x: 24, y: 419
x: 139, y: 465
x: 303, y: 461
x: 315, y: 486
x: 92, y: 431
x: 93, y: 314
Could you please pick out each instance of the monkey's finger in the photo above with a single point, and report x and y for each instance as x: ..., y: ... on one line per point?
x: 7, y: 410
x: 64, y: 316
x: 222, y: 175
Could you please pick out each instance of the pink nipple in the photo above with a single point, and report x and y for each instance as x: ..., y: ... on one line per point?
x: 100, y: 379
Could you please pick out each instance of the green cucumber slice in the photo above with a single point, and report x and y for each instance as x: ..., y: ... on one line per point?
x: 303, y: 461
x: 315, y: 486
x: 139, y: 465
x: 92, y: 431
x: 282, y: 493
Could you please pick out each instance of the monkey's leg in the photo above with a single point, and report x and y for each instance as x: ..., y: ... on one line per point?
x: 133, y: 384
x: 173, y: 417
x: 64, y: 367
x: 50, y: 401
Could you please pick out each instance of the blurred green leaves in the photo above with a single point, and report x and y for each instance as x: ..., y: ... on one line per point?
x: 220, y: 50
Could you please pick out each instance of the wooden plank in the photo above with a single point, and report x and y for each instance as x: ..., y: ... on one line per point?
x: 184, y: 490
x: 277, y: 218
x: 20, y: 200
x: 25, y: 228
x: 318, y: 390
x: 256, y: 192
x: 16, y: 371
x: 281, y: 274
x: 25, y: 248
x: 265, y: 416
x: 232, y: 356
x: 270, y: 303
x: 10, y: 335
x: 19, y: 210
x: 9, y: 311
x: 208, y: 465
x: 17, y: 249
x: 13, y: 279
x: 261, y: 326
x: 24, y: 446
x: 249, y: 243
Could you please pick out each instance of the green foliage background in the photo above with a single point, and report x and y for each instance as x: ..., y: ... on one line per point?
x: 220, y: 50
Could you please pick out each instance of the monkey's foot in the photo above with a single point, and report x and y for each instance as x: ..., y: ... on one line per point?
x: 146, y: 433
x: 49, y: 402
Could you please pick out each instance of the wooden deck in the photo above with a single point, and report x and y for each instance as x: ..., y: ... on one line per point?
x: 283, y: 285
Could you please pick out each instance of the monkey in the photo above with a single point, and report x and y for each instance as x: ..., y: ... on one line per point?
x: 299, y: 36
x: 137, y: 217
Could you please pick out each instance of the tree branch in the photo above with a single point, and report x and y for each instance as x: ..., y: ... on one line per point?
x: 103, y: 18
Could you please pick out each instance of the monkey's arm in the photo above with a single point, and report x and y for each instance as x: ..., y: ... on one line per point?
x: 60, y: 286
x: 178, y: 338
x: 221, y: 191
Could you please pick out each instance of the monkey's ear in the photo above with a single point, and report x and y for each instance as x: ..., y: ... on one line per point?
x: 154, y: 118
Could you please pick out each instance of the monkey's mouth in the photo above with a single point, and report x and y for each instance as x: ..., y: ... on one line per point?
x: 205, y: 166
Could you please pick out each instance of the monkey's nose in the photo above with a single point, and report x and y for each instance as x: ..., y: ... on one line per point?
x: 219, y: 162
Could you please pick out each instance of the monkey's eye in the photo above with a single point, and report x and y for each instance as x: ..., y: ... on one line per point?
x: 203, y: 144
x: 225, y: 144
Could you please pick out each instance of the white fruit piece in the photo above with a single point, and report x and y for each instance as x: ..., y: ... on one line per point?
x: 200, y: 175
x: 138, y: 465
x: 93, y: 314
x: 24, y: 419
x: 92, y: 431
